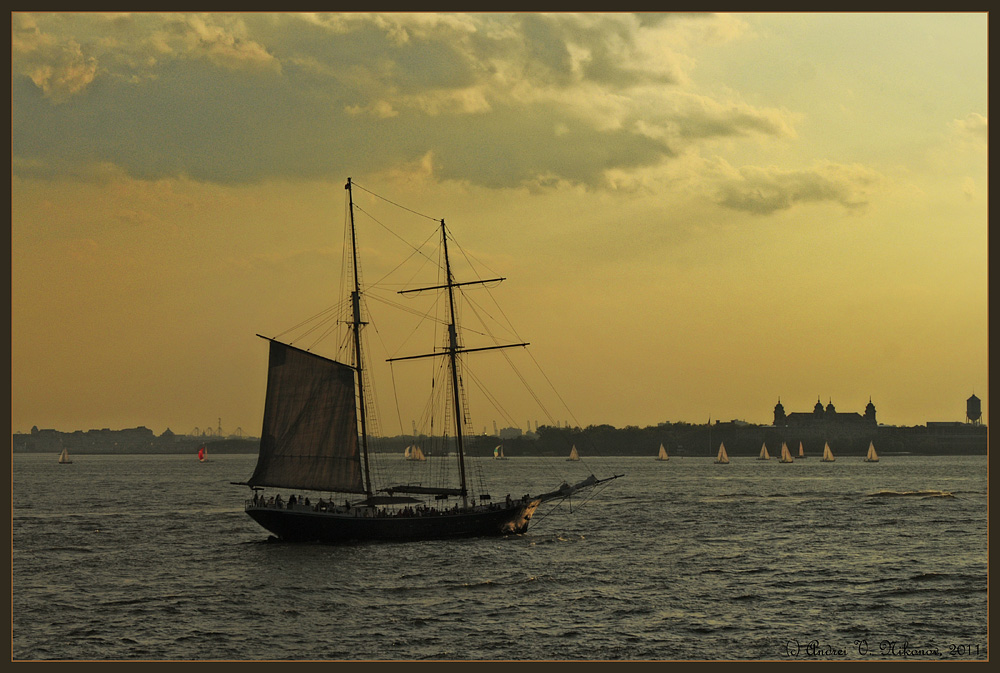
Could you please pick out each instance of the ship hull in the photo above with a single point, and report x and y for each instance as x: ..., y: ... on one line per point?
x: 305, y: 525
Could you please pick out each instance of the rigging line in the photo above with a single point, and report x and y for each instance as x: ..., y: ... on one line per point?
x: 415, y: 250
x: 395, y: 394
x: 469, y: 258
x: 330, y: 328
x: 426, y: 315
x: 490, y: 397
x: 335, y: 309
x: 545, y: 376
x: 527, y: 386
x: 394, y: 203
x: 476, y: 310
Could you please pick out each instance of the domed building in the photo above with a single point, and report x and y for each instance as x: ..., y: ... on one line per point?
x: 825, y: 416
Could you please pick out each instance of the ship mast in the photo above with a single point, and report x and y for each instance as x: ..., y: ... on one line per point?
x: 453, y: 361
x: 356, y: 324
x: 453, y: 350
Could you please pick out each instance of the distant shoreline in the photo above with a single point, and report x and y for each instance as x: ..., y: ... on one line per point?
x: 679, y: 439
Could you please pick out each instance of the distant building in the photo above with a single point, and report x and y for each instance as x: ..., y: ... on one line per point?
x: 823, y: 416
x: 973, y: 411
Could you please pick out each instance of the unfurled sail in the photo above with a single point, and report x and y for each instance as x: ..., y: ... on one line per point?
x: 871, y: 457
x: 827, y: 454
x: 309, y: 438
x: 786, y: 455
x: 764, y: 455
x: 64, y: 457
x: 573, y: 455
x: 802, y: 453
x: 662, y: 455
x: 498, y: 453
x: 413, y: 452
x: 202, y: 452
x: 722, y: 457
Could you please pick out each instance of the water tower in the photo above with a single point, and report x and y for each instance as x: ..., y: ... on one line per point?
x: 973, y: 411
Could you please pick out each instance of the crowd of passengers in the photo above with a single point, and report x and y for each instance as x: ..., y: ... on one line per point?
x: 329, y: 506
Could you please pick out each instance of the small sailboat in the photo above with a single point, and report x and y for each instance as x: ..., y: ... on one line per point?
x: 764, y: 455
x: 413, y: 452
x: 802, y: 453
x: 723, y: 457
x: 662, y: 455
x: 64, y: 458
x: 871, y: 457
x: 786, y: 455
x: 827, y: 454
x: 202, y: 454
x: 574, y: 454
x: 498, y: 453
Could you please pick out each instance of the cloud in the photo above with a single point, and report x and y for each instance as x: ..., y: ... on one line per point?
x: 974, y: 128
x: 499, y: 100
x: 763, y: 191
x: 59, y: 68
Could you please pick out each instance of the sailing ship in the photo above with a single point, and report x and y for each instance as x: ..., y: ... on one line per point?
x: 574, y: 454
x: 722, y: 458
x: 498, y: 453
x: 802, y: 453
x: 413, y: 452
x: 871, y: 456
x: 64, y: 458
x: 764, y: 455
x: 786, y: 455
x: 315, y: 437
x: 827, y: 454
x: 662, y: 455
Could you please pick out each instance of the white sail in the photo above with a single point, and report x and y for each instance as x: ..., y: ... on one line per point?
x: 64, y: 457
x: 722, y: 457
x: 827, y: 454
x: 573, y: 454
x: 764, y: 455
x: 802, y: 453
x: 498, y: 453
x: 872, y: 457
x: 786, y: 455
x: 413, y: 452
x: 662, y: 455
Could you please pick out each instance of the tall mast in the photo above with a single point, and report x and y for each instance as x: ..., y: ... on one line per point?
x: 453, y: 359
x: 356, y: 329
x: 453, y: 351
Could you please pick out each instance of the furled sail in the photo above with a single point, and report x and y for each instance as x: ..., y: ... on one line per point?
x: 310, y: 435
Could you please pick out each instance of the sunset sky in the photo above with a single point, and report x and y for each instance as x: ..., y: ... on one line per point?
x: 697, y: 214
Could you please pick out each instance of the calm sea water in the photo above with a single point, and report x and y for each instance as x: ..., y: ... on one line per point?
x: 153, y: 558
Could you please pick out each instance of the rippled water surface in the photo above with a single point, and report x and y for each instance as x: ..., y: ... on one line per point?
x: 153, y: 558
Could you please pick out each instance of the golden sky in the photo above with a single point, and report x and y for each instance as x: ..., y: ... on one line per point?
x: 697, y: 214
